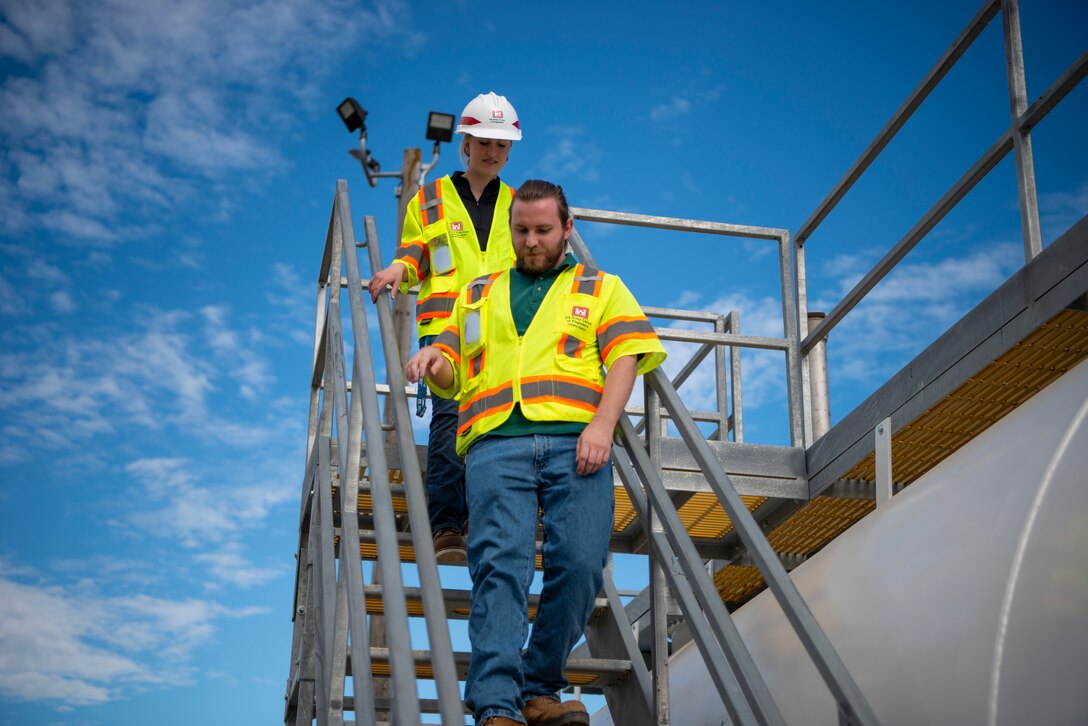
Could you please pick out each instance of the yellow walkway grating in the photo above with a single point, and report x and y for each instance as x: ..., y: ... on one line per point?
x: 817, y: 523
x: 1030, y: 366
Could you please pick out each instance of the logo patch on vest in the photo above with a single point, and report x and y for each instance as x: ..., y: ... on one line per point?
x: 578, y: 319
x: 455, y: 226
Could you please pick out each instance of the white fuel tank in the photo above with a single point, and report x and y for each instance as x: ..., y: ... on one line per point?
x: 962, y: 601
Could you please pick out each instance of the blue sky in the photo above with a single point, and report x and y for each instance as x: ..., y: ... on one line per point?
x: 166, y: 176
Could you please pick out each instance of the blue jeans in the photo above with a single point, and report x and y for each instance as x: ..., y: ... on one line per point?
x: 445, y: 479
x: 509, y: 478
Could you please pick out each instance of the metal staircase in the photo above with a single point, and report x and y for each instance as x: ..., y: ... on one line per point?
x: 382, y: 507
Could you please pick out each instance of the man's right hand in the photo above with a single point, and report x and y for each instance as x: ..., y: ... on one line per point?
x: 429, y: 362
x: 389, y: 277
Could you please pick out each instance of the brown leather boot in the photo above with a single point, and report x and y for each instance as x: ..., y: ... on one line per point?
x: 546, y: 711
x: 449, y: 546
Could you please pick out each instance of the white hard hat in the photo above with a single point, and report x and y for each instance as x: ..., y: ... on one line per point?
x: 490, y: 116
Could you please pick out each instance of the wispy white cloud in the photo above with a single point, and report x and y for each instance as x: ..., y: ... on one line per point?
x: 668, y: 111
x: 570, y: 157
x: 206, y: 513
x: 72, y: 644
x: 236, y: 351
x: 908, y: 309
x: 1060, y: 210
x: 125, y: 105
x: 295, y: 299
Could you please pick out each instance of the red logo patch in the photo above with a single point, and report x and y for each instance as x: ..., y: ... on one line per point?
x: 579, y: 311
x: 455, y: 226
x: 496, y: 113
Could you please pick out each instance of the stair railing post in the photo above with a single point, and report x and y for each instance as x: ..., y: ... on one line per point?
x: 364, y: 416
x: 659, y: 614
x: 434, y: 611
x: 350, y: 612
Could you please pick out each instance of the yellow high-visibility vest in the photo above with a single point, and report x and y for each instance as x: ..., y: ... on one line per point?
x: 553, y: 372
x: 439, y: 248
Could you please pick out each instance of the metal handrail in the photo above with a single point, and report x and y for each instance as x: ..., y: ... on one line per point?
x: 852, y: 703
x: 445, y: 669
x: 350, y: 597
x: 899, y: 118
x: 365, y: 417
x: 788, y: 344
x: 1014, y: 139
x: 746, y: 696
x: 680, y: 551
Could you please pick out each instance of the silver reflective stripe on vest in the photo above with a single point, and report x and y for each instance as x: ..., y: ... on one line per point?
x: 481, y: 406
x: 434, y: 305
x: 478, y: 288
x: 449, y: 338
x: 586, y: 283
x: 430, y: 196
x: 610, y: 332
x: 571, y: 346
x: 431, y: 200
x: 413, y: 251
x: 559, y: 389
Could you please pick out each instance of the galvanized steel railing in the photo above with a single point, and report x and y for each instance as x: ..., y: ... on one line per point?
x: 1017, y: 138
x: 330, y: 600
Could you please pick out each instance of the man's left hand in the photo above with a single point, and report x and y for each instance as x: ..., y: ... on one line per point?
x: 594, y: 447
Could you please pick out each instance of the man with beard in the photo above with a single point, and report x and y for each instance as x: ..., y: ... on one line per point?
x: 523, y: 355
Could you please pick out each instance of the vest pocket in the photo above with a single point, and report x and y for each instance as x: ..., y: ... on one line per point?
x: 576, y: 333
x: 473, y: 335
x: 441, y: 253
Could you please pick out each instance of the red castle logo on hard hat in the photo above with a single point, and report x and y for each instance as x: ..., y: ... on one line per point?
x: 579, y: 311
x: 496, y: 113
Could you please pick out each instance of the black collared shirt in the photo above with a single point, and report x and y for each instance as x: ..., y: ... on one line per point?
x: 482, y: 212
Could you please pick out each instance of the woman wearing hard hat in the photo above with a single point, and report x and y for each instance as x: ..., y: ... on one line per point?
x: 455, y: 229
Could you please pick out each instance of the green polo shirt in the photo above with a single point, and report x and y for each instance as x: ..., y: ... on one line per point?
x: 527, y: 291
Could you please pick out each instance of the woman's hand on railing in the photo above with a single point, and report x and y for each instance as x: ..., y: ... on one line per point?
x: 390, y: 277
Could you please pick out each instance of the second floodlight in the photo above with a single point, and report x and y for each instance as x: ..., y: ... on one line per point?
x: 440, y: 126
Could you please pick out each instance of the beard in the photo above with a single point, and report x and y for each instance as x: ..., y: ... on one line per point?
x: 543, y: 261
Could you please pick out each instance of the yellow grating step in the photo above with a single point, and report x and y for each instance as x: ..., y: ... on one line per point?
x: 702, y: 514
x: 583, y: 672
x: 735, y: 583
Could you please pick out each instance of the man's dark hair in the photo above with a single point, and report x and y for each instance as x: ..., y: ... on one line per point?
x: 533, y: 190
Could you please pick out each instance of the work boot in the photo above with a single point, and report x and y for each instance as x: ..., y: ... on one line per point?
x: 449, y: 546
x: 546, y: 711
x: 500, y: 721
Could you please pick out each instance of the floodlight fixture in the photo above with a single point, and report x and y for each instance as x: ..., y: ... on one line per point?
x: 352, y: 114
x: 439, y: 127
